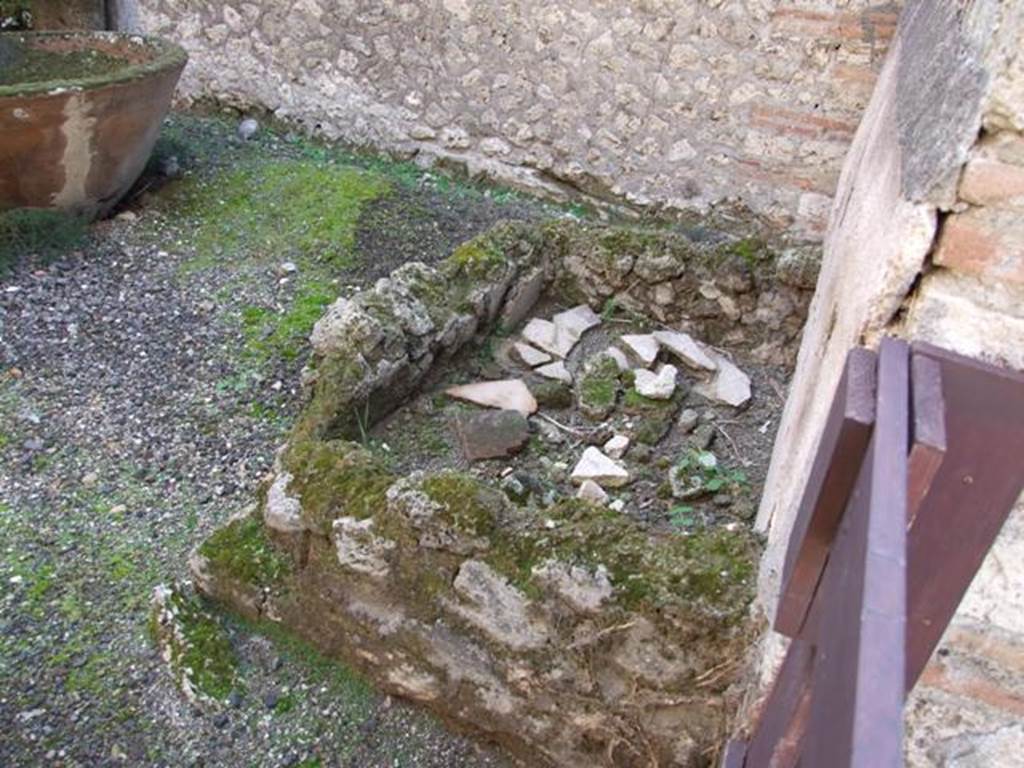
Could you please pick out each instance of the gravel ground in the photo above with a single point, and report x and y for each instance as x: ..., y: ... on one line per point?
x: 143, y: 390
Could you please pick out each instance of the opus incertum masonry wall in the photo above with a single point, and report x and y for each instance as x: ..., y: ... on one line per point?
x: 666, y: 103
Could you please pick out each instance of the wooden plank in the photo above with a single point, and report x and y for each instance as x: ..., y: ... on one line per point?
x: 856, y: 718
x: 837, y: 460
x: 735, y: 754
x: 928, y: 430
x: 980, y: 479
x: 778, y: 739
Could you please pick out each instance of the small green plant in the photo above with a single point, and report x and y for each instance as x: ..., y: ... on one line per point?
x: 700, y: 473
x: 681, y: 516
x: 609, y: 308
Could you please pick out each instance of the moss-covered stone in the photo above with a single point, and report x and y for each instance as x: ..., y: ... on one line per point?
x: 598, y: 387
x: 241, y: 551
x: 194, y: 644
x: 654, y: 418
x: 335, y: 479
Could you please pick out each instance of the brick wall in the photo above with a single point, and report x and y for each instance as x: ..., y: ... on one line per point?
x: 672, y: 103
x: 926, y: 242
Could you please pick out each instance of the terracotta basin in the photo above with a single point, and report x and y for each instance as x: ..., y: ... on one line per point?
x: 77, y: 131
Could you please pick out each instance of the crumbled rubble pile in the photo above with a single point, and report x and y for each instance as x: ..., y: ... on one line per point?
x: 558, y: 623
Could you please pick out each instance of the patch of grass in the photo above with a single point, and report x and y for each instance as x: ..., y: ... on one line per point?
x: 37, y: 232
x: 284, y: 208
x: 284, y: 335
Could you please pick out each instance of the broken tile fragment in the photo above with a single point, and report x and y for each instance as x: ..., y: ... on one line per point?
x: 556, y: 371
x: 492, y: 434
x: 729, y: 385
x: 577, y: 321
x: 686, y: 349
x: 591, y: 491
x: 594, y: 465
x: 549, y: 337
x: 643, y: 347
x: 660, y: 386
x: 530, y: 356
x: 616, y: 447
x: 506, y: 394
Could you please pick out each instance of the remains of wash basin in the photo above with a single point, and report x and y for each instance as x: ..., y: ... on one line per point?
x: 555, y: 624
x: 79, y: 115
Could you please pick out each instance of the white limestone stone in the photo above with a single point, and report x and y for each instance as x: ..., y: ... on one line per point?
x: 577, y: 321
x: 557, y: 371
x: 660, y: 386
x: 643, y: 347
x: 619, y: 357
x: 616, y: 447
x: 549, y: 337
x: 506, y: 394
x: 686, y: 349
x: 529, y: 355
x: 729, y: 385
x: 594, y: 465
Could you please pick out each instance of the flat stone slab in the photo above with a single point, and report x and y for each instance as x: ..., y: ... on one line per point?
x: 556, y: 371
x: 686, y: 349
x: 730, y: 385
x: 616, y: 447
x: 505, y: 394
x: 659, y: 386
x: 577, y: 321
x: 643, y: 347
x: 594, y: 465
x: 529, y: 355
x: 492, y: 434
x: 549, y: 337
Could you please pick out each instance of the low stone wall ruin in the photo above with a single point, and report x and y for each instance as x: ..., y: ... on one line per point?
x: 567, y: 631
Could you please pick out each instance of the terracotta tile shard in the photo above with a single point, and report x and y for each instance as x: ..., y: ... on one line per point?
x: 506, y: 394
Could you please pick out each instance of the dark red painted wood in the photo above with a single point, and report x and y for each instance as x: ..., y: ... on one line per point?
x: 980, y: 479
x: 735, y: 754
x: 928, y: 434
x: 856, y: 717
x: 837, y: 461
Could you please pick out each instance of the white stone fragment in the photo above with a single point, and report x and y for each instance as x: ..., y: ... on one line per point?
x: 557, y: 371
x: 530, y: 355
x: 584, y: 590
x: 594, y: 465
x: 730, y: 385
x: 549, y: 337
x: 618, y: 505
x: 359, y: 549
x: 506, y: 394
x: 660, y: 386
x: 616, y: 447
x: 496, y: 607
x: 281, y: 511
x: 643, y: 347
x: 577, y: 321
x: 686, y: 349
x: 591, y: 491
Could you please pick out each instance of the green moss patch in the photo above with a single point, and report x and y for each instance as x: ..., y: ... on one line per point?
x: 706, y: 571
x: 242, y: 551
x: 283, y: 208
x: 337, y: 479
x: 599, y: 388
x: 195, y: 645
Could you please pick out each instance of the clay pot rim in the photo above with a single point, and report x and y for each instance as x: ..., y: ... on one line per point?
x: 167, y: 56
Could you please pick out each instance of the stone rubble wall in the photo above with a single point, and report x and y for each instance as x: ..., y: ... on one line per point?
x: 568, y: 633
x: 667, y: 103
x: 926, y: 242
